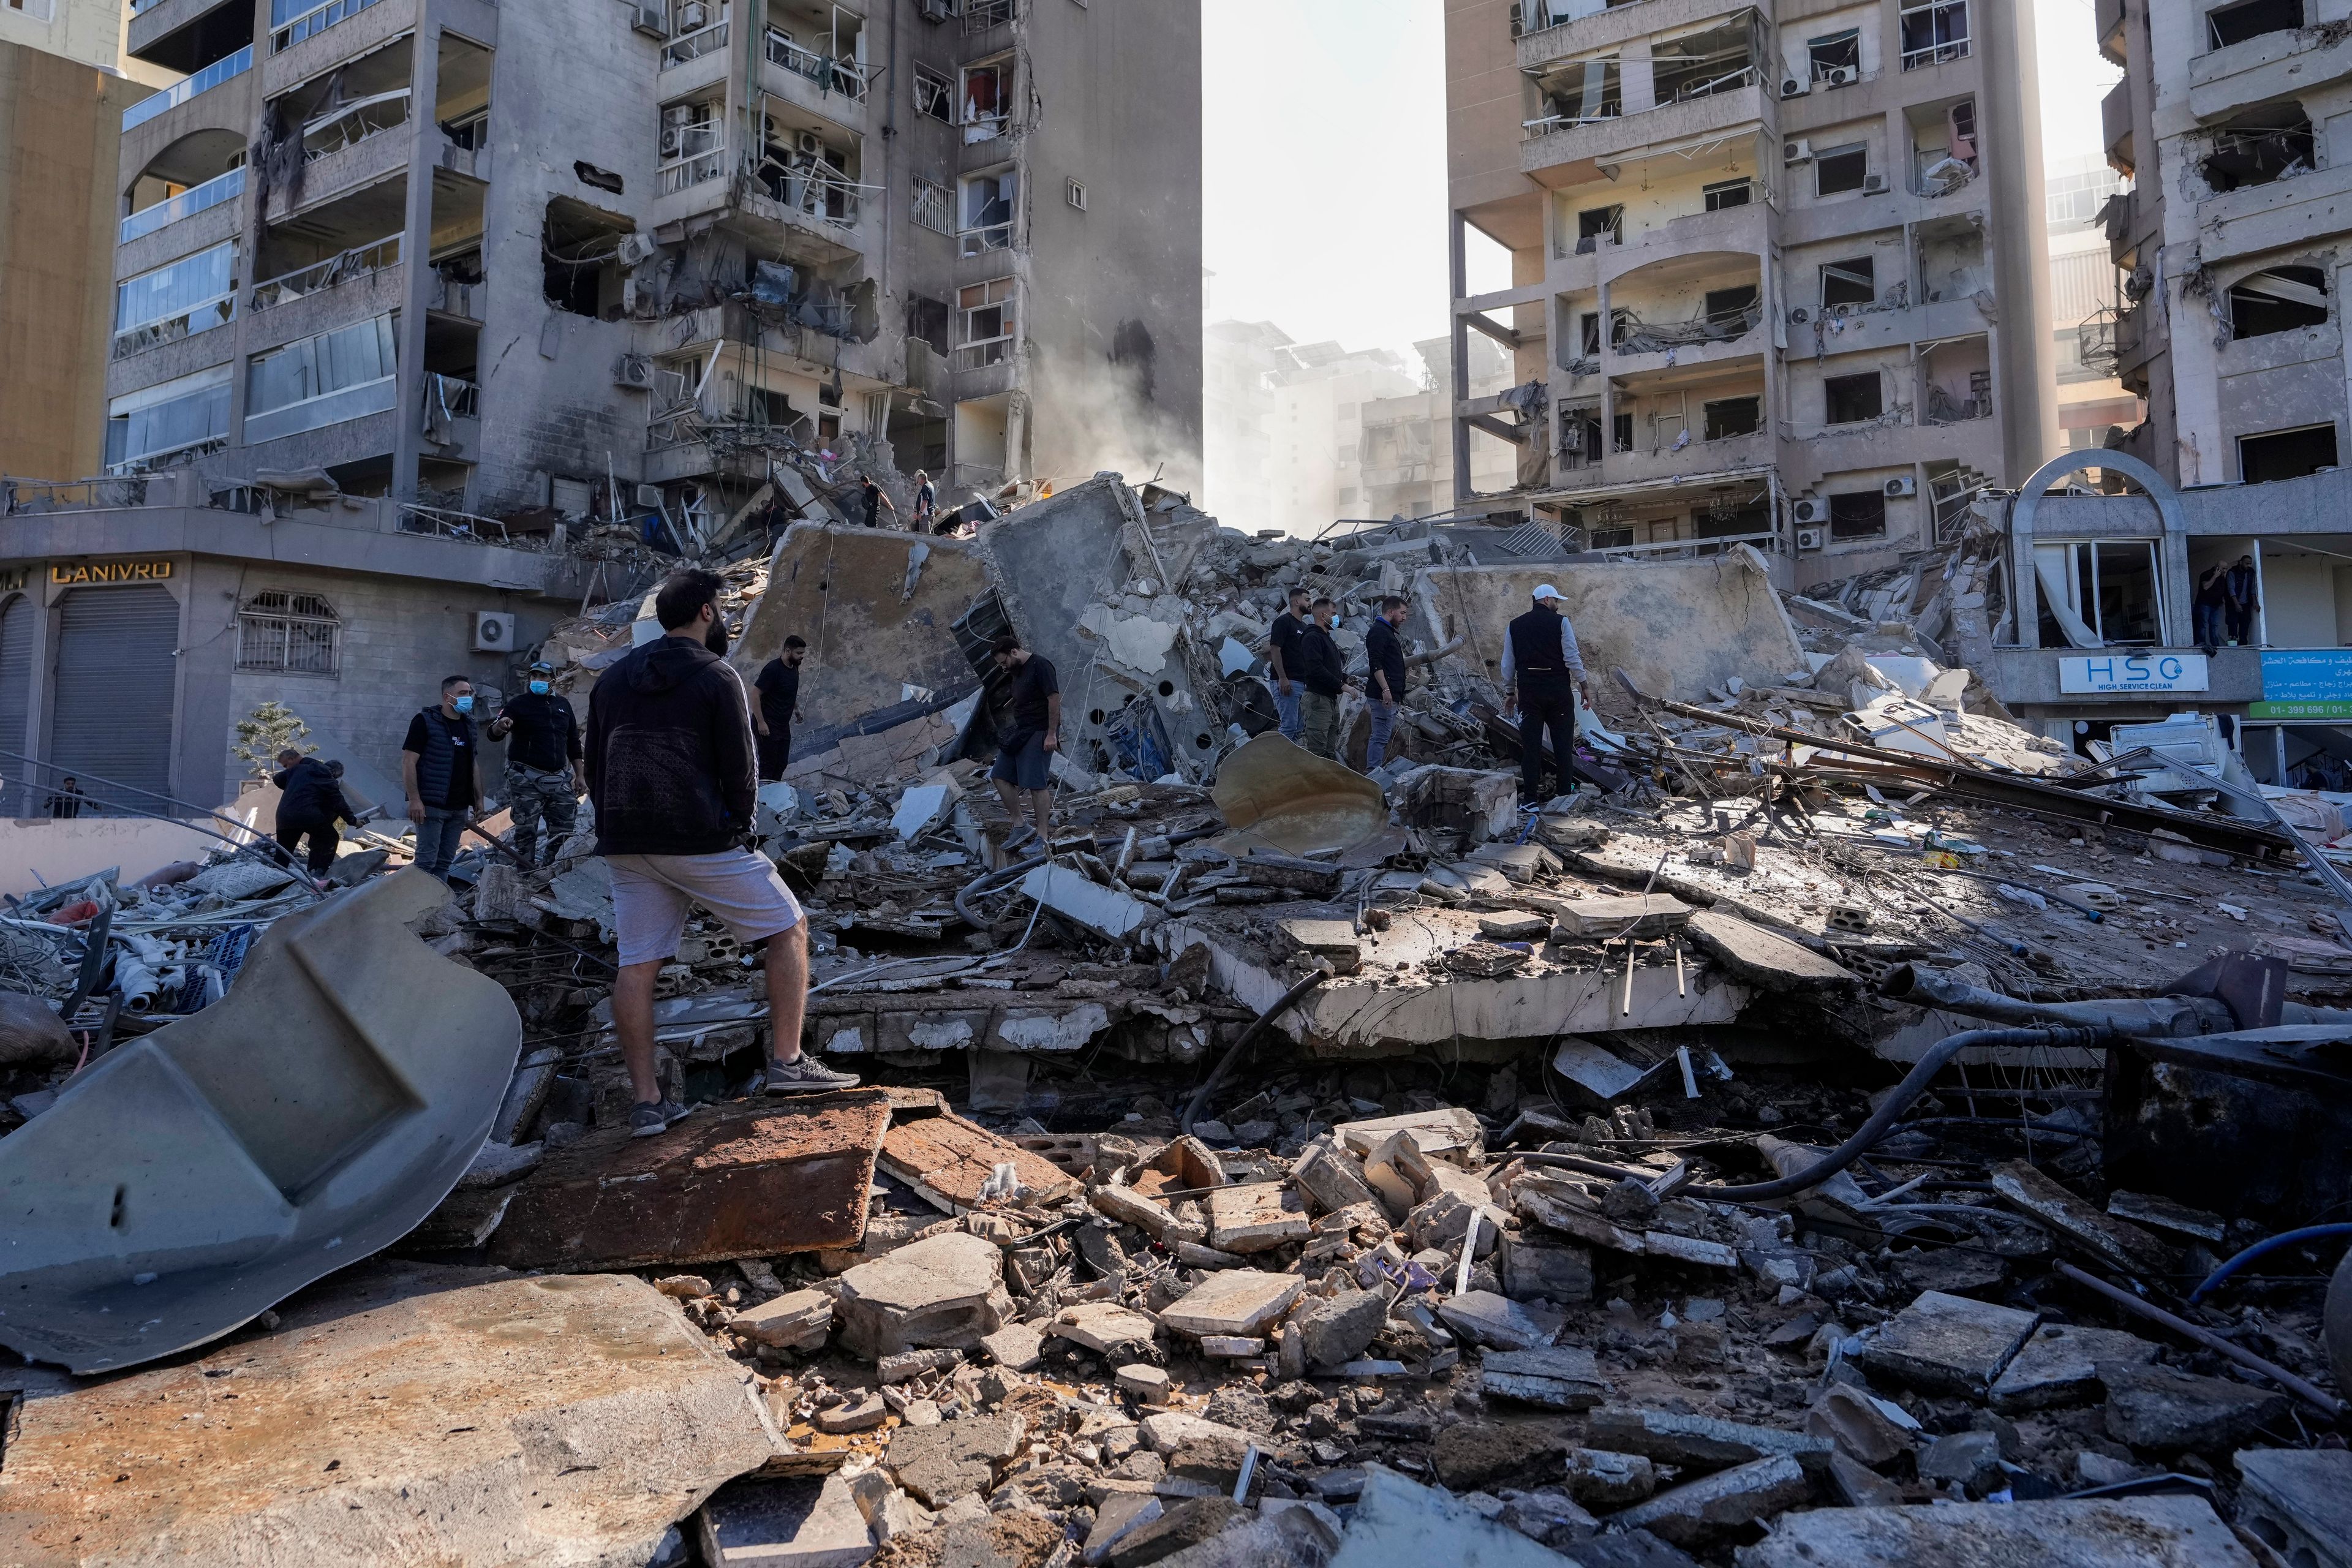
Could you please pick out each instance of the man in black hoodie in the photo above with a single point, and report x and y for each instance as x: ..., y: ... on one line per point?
x: 670, y: 767
x: 310, y: 803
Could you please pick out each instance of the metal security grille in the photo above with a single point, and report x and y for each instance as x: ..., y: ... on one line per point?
x: 298, y: 633
x: 110, y: 699
x: 15, y: 705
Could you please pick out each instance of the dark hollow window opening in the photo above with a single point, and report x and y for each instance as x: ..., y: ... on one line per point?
x: 2286, y: 454
x: 1853, y: 399
x: 1840, y: 169
x: 1861, y: 515
x: 1729, y: 416
x: 2260, y: 146
x: 2278, y: 300
x: 1850, y: 282
x: 2227, y: 25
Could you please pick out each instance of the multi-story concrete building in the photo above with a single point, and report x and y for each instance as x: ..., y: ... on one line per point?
x: 566, y: 254
x: 1240, y: 361
x: 1407, y: 450
x: 1316, y: 441
x: 2083, y: 300
x: 1777, y: 271
x: 2234, y: 124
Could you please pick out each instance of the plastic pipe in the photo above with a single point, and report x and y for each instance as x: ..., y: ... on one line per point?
x: 2215, y: 1281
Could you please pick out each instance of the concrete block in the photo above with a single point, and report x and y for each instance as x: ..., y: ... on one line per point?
x: 1611, y: 914
x: 919, y: 807
x: 1186, y: 1525
x: 1874, y: 1431
x: 1154, y: 1219
x: 1499, y: 1321
x: 1729, y: 1500
x: 1147, y: 1383
x: 2299, y: 1500
x: 2059, y: 1365
x: 1337, y: 1330
x: 1700, y: 1442
x: 1121, y: 1513
x: 942, y: 1291
x: 1103, y: 1326
x: 1105, y: 911
x: 954, y: 1459
x: 1856, y: 1485
x: 1399, y: 1521
x: 1530, y: 1270
x: 1766, y: 958
x: 859, y: 1412
x: 1948, y: 1345
x: 2127, y: 1533
x: 1554, y: 1377
x: 1434, y: 1132
x: 1016, y: 1347
x: 2157, y: 1407
x: 1331, y: 1177
x: 1256, y: 1218
x: 1234, y: 1301
x: 2117, y: 1242
x: 1488, y: 1456
x: 800, y: 1321
x: 1604, y: 1478
x: 788, y: 1523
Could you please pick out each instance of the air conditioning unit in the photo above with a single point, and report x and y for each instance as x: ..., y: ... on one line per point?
x: 673, y: 141
x: 810, y: 144
x: 634, y: 371
x: 938, y: 10
x: 1797, y: 151
x: 692, y: 17
x: 1812, y: 512
x: 650, y: 21
x: 633, y: 248
x: 1904, y: 486
x: 1874, y: 184
x: 1809, y: 538
x: 494, y: 631
x: 1795, y: 87
x: 1843, y: 76
x: 1799, y: 316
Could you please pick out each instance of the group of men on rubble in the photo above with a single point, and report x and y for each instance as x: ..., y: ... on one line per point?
x: 1541, y: 674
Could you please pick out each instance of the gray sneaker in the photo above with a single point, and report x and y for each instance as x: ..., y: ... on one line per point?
x: 806, y: 1075
x: 656, y: 1118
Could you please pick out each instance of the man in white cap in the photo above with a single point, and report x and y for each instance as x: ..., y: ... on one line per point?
x: 1542, y: 672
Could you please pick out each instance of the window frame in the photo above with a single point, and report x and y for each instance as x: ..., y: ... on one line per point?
x: 1000, y: 294
x: 1859, y: 151
x: 1848, y: 264
x: 1850, y: 528
x: 297, y: 613
x: 1878, y: 379
x: 941, y: 88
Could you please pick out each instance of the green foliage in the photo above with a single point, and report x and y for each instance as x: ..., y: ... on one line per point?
x: 269, y: 729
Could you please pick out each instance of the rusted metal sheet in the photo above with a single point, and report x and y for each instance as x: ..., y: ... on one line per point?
x: 948, y: 1160
x: 733, y: 1181
x: 1281, y: 796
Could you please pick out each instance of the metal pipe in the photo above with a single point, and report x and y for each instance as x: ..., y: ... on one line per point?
x: 2158, y: 1016
x: 2334, y: 1408
x: 1233, y: 1052
x: 2214, y: 1280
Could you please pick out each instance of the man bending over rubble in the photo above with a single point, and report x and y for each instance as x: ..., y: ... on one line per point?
x: 1542, y: 672
x: 1023, y: 761
x: 669, y: 764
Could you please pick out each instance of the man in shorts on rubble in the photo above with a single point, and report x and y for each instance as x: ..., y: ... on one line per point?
x: 670, y: 767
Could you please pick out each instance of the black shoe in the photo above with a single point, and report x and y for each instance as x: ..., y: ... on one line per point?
x: 806, y: 1075
x: 651, y: 1120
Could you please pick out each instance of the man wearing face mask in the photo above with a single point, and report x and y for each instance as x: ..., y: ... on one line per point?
x: 441, y: 765
x: 542, y: 748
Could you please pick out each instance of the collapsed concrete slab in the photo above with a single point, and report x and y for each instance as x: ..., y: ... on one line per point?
x: 190, y: 1179
x: 1397, y: 1002
x: 946, y: 1290
x: 749, y: 1181
x: 2131, y: 1532
x: 403, y: 1415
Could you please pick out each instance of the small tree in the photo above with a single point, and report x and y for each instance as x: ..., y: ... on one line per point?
x: 269, y: 729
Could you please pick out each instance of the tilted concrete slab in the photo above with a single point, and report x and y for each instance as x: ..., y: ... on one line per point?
x: 403, y: 1415
x: 1386, y: 1010
x: 732, y: 1181
x: 1637, y: 616
x: 197, y: 1176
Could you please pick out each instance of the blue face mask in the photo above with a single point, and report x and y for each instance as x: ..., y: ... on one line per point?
x: 539, y: 688
x: 463, y: 704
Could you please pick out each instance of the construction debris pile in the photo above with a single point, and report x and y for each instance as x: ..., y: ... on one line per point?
x: 1841, y: 1103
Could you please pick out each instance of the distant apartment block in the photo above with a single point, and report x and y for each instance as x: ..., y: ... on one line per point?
x: 1777, y: 273
x: 2084, y: 299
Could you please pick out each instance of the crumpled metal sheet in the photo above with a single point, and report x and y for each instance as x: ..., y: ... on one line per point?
x: 195, y: 1177
x: 1278, y: 796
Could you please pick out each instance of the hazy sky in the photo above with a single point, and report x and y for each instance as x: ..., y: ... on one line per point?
x: 1324, y: 154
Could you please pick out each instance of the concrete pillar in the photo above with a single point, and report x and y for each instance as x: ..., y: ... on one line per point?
x: 425, y: 143
x: 1637, y: 85
x: 2009, y: 121
x: 1457, y: 262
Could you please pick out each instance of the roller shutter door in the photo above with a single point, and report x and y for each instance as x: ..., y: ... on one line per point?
x: 110, y: 711
x: 15, y: 704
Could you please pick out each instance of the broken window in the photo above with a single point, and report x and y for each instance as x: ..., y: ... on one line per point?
x: 692, y: 147
x: 1726, y: 194
x: 1700, y: 64
x: 1853, y: 399
x: 2227, y: 25
x: 1840, y: 169
x: 2278, y: 300
x: 934, y: 95
x: 2286, y: 454
x: 1727, y: 417
x: 1836, y: 58
x: 1934, y: 31
x: 1580, y: 436
x: 986, y: 218
x: 1859, y: 514
x: 987, y: 101
x: 280, y: 629
x: 984, y: 329
x: 1732, y: 307
x: 190, y: 295
x: 167, y: 420
x: 1725, y: 517
x: 2260, y: 146
x: 926, y: 320
x: 580, y: 258
x: 1595, y: 225
x: 1620, y: 432
x: 1854, y: 281
x: 934, y: 206
x: 1578, y: 92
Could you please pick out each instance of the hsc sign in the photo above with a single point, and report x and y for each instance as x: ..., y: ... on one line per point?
x: 2121, y: 672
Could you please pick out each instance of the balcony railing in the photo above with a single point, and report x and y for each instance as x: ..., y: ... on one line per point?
x: 978, y: 15
x: 203, y: 317
x: 826, y: 197
x: 830, y: 75
x: 985, y: 353
x: 327, y: 408
x: 1614, y: 108
x: 686, y: 173
x: 195, y: 199
x: 313, y: 22
x: 179, y: 93
x: 981, y: 241
x: 694, y: 45
x: 357, y: 262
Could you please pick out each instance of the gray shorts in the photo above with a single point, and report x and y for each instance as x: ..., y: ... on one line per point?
x: 652, y: 895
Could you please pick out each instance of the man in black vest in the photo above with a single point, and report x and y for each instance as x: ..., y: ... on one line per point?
x: 1542, y: 672
x: 441, y: 766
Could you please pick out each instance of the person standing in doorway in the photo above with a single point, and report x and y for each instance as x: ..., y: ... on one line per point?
x: 780, y: 703
x: 66, y: 800
x: 927, y: 502
x: 441, y: 766
x: 310, y: 804
x: 669, y: 763
x: 1024, y: 762
x: 2210, y: 609
x: 2245, y: 601
x: 1282, y: 653
x: 872, y: 498
x: 541, y: 757
x: 1384, y: 678
x: 1323, y: 675
x: 1542, y: 672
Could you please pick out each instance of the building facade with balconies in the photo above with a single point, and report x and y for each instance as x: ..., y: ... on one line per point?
x: 556, y: 257
x: 1777, y: 271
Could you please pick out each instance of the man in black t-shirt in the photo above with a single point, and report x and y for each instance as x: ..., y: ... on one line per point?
x: 1282, y: 653
x: 779, y: 686
x: 1383, y: 677
x: 542, y: 736
x: 1323, y: 673
x: 440, y: 765
x: 1023, y: 763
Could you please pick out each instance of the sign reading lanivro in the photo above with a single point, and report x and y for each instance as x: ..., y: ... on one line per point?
x: 2305, y: 683
x: 2103, y: 672
x: 86, y: 574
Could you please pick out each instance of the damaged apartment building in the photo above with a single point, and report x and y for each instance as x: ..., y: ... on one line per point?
x: 575, y: 258
x: 1778, y: 273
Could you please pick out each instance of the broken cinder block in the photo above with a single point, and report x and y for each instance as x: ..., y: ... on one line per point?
x: 944, y: 1290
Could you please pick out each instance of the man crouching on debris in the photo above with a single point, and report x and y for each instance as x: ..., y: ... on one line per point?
x: 669, y: 764
x: 1024, y: 765
x: 1542, y: 672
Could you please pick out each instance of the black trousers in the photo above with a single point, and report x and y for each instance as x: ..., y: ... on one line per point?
x: 775, y: 749
x: 323, y: 839
x: 1543, y: 713
x: 2242, y: 624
